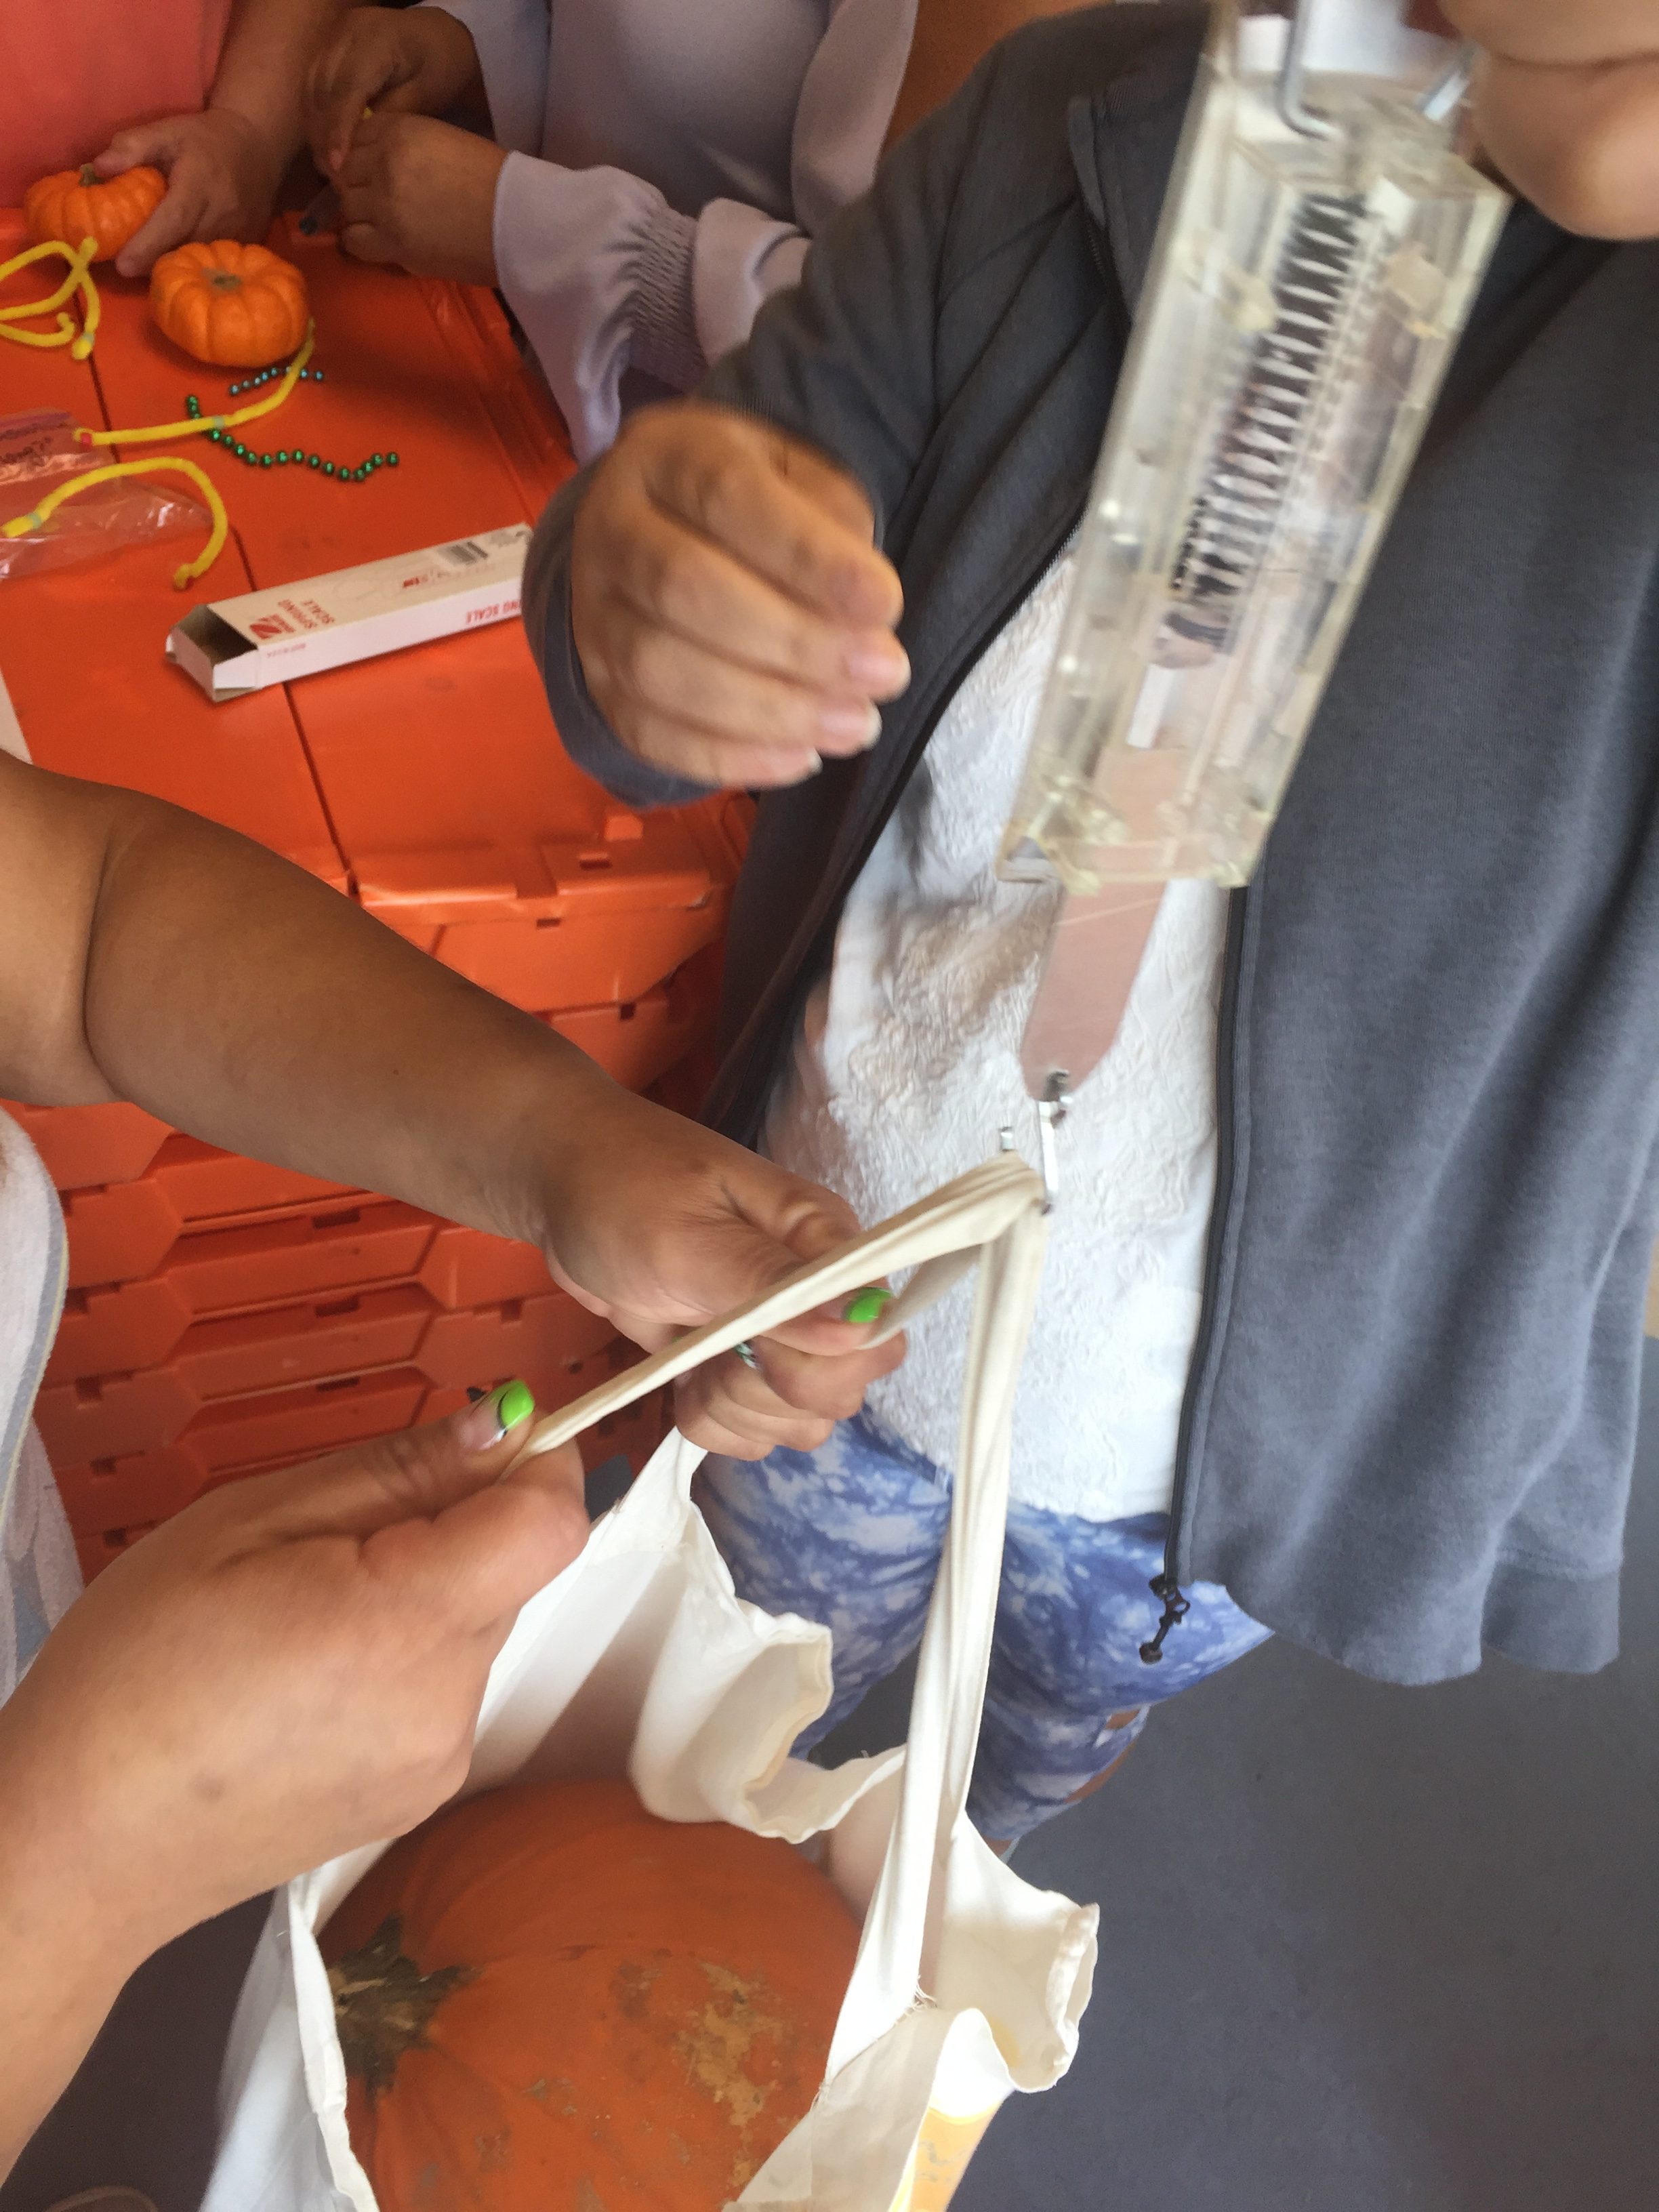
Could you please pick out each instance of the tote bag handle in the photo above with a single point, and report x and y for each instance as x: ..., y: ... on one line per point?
x: 992, y: 1215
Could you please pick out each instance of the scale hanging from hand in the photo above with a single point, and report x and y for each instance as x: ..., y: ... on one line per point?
x: 1320, y: 248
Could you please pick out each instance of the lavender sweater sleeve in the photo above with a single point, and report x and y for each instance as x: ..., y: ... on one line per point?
x: 604, y: 275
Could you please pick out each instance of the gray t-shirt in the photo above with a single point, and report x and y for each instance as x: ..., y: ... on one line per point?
x: 40, y: 1579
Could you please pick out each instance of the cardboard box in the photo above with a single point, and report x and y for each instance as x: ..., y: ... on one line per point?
x: 232, y: 646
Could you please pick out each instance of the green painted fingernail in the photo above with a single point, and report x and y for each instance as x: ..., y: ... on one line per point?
x: 514, y: 1402
x: 867, y: 1305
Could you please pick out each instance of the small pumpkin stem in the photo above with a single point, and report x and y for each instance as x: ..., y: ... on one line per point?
x: 383, y: 2004
x: 89, y: 174
x: 224, y: 280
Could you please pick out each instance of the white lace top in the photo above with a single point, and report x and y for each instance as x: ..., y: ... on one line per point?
x: 38, y: 1576
x: 907, y: 1064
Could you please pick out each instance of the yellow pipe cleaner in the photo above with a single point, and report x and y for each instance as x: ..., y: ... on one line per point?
x: 80, y: 279
x: 204, y: 483
x: 194, y: 425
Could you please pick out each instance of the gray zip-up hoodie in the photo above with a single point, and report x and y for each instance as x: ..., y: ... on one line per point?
x: 1409, y: 1424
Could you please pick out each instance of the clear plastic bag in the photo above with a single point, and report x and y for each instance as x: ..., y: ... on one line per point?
x: 38, y: 453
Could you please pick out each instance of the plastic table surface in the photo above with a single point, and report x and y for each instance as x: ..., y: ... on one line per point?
x: 439, y: 767
x: 81, y: 649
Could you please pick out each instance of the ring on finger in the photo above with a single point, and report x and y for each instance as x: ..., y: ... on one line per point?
x: 745, y: 1352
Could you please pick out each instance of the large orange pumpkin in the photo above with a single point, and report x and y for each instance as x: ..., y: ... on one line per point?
x: 238, y: 307
x: 76, y: 204
x: 550, y: 2001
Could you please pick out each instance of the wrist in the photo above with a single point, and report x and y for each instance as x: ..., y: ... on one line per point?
x: 64, y: 1900
x: 550, y: 1135
x: 268, y: 142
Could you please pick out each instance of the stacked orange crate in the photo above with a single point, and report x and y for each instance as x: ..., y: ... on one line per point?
x: 225, y: 1316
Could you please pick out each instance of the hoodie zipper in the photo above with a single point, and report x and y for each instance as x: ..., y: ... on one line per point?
x: 1165, y: 1586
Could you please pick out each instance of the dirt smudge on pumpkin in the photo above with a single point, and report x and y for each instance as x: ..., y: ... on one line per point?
x: 630, y: 1988
x: 717, y: 2049
x: 588, y: 2198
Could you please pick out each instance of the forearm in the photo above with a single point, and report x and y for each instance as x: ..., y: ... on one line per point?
x: 66, y: 1948
x: 231, y: 994
x: 261, y: 75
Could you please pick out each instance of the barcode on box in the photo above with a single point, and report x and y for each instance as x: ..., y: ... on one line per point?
x: 464, y: 552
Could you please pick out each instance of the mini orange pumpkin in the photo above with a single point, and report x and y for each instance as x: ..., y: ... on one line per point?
x: 549, y: 1999
x: 78, y: 203
x: 239, y: 306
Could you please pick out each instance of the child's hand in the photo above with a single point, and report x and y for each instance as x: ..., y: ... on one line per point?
x: 289, y: 1668
x: 732, y: 616
x: 1567, y: 105
x: 423, y: 194
x: 222, y: 174
x: 416, y: 61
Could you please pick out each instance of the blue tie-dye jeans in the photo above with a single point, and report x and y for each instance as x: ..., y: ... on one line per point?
x: 850, y: 1535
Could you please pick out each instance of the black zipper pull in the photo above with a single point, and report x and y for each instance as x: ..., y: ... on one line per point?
x: 1176, y: 1607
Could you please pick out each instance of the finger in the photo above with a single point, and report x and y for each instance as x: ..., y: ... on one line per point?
x: 831, y: 1387
x: 366, y: 241
x: 704, y: 757
x: 414, y: 1473
x: 1582, y: 144
x: 177, y: 218
x: 654, y: 670
x: 741, y: 488
x: 359, y: 172
x: 366, y: 75
x: 476, y: 1562
x: 154, y: 142
x: 809, y: 1223
x: 651, y: 567
x: 704, y: 1414
x: 1543, y: 31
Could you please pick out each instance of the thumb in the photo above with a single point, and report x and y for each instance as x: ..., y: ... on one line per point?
x: 413, y: 1474
x: 783, y: 1221
x: 156, y: 143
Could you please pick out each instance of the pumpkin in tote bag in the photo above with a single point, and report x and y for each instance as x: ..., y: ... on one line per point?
x: 641, y: 1661
x: 548, y: 1997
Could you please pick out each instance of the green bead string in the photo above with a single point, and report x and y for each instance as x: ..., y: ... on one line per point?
x: 286, y: 456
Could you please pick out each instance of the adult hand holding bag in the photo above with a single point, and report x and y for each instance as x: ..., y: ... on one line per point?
x: 640, y: 1660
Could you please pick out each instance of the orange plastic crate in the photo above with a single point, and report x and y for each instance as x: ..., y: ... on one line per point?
x: 114, y: 1501
x: 85, y: 1145
x: 463, y: 822
x: 126, y: 1230
x: 240, y: 1355
x: 280, y: 1260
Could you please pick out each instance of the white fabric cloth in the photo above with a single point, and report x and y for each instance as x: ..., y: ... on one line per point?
x: 40, y: 1579
x: 907, y: 1064
x: 668, y: 165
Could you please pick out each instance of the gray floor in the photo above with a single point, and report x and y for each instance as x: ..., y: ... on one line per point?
x: 1364, y: 1949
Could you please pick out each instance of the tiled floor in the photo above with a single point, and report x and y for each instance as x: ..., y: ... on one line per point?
x: 1365, y: 1949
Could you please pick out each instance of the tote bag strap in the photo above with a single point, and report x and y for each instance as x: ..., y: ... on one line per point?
x: 941, y: 1237
x: 992, y: 1215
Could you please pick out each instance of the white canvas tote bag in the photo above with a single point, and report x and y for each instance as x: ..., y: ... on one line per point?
x: 640, y: 1660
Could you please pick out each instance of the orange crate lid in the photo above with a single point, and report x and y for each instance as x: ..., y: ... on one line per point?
x: 465, y: 825
x: 115, y: 1142
x: 276, y: 1264
x: 82, y: 648
x: 123, y: 1496
x: 126, y: 1230
x: 637, y: 1042
x: 357, y: 1332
